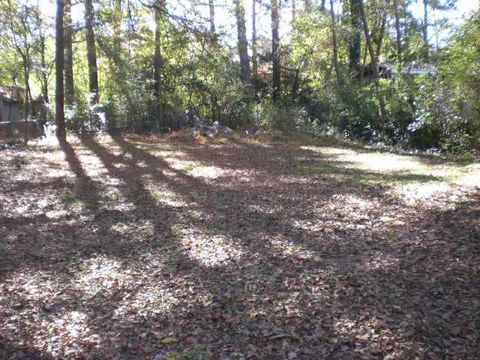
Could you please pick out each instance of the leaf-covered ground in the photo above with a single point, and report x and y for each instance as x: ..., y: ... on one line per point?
x: 130, y: 249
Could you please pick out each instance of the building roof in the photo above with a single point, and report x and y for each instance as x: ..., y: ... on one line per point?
x: 12, y: 93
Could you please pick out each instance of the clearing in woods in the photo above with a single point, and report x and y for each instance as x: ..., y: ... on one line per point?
x: 123, y: 248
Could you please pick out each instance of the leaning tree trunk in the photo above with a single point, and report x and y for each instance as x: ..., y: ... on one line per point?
x: 242, y: 42
x: 59, y: 59
x: 383, y: 24
x: 91, y: 53
x: 374, y: 58
x: 276, y: 76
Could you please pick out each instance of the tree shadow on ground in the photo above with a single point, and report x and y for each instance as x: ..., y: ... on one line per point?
x: 342, y: 284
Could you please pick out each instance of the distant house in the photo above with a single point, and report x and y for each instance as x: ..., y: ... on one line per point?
x: 11, y: 104
x: 12, y: 120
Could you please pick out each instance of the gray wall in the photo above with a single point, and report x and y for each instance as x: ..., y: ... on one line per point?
x: 11, y: 111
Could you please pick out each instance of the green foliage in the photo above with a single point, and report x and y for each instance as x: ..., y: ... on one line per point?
x: 200, y: 79
x: 460, y: 75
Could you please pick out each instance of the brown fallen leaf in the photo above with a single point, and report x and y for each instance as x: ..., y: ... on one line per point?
x: 169, y: 341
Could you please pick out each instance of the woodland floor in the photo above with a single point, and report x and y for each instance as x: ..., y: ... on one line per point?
x: 123, y: 248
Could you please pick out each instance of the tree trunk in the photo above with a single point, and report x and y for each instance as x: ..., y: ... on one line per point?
x: 425, y: 27
x: 398, y: 30
x: 158, y: 62
x: 374, y: 58
x: 117, y: 43
x: 211, y: 7
x: 59, y: 59
x: 69, y: 91
x: 242, y: 42
x: 381, y: 32
x: 322, y: 6
x: 26, y: 74
x: 335, y: 46
x: 276, y: 76
x: 213, y: 31
x: 354, y: 49
x: 254, y: 39
x: 43, y: 63
x: 91, y: 53
x: 294, y: 11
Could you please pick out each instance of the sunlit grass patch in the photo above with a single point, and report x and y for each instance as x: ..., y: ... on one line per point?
x: 406, y: 168
x: 431, y: 194
x: 366, y: 177
x: 324, y: 169
x: 407, y: 177
x: 89, y: 200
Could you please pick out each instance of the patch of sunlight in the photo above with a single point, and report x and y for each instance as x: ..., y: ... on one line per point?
x: 342, y: 210
x: 196, y: 169
x: 291, y: 249
x: 98, y: 276
x: 428, y: 193
x: 268, y: 209
x: 166, y: 197
x: 34, y: 287
x: 395, y: 168
x: 468, y: 176
x: 57, y: 214
x: 149, y: 301
x: 385, y: 162
x: 53, y: 157
x: 373, y: 161
x: 70, y: 333
x: 327, y: 150
x: 169, y: 173
x: 180, y: 164
x: 47, y: 142
x: 379, y: 262
x: 208, y: 172
x: 142, y: 164
x: 22, y: 206
x: 344, y: 325
x: 166, y: 153
x: 143, y: 227
x: 120, y: 166
x: 209, y: 249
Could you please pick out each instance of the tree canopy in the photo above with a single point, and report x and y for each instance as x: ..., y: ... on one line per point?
x: 393, y: 72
